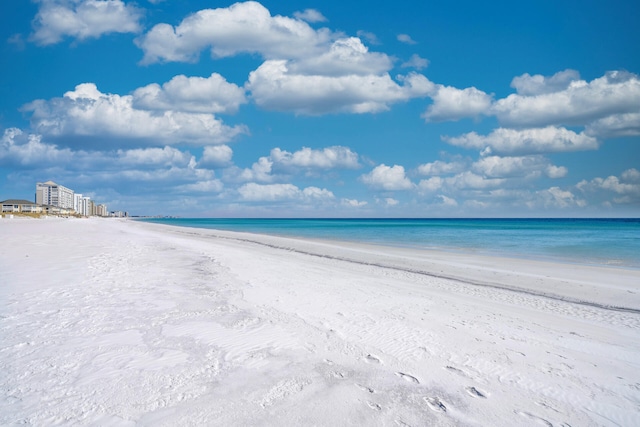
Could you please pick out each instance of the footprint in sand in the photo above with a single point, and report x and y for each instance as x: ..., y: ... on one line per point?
x: 435, y: 404
x: 456, y: 370
x: 339, y: 375
x: 365, y: 388
x: 370, y: 358
x: 474, y: 392
x: 408, y: 377
x: 535, y: 418
x: 375, y: 406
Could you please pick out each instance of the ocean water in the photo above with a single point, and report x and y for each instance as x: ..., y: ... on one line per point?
x: 613, y: 242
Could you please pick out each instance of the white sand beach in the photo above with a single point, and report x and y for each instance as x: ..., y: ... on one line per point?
x: 117, y: 322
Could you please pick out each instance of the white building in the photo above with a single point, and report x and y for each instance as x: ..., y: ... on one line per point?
x: 20, y: 206
x: 82, y: 205
x: 77, y: 202
x: 101, y: 210
x: 86, y: 207
x: 51, y: 194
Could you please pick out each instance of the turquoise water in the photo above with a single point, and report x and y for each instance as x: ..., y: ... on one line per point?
x: 614, y: 242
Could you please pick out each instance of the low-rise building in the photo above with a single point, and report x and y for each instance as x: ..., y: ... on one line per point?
x: 57, y: 211
x: 20, y: 206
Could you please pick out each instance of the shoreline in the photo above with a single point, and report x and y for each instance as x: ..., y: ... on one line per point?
x: 470, y: 268
x: 119, y: 322
x: 492, y: 237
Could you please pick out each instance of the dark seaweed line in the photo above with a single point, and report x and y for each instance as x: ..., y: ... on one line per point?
x: 430, y: 274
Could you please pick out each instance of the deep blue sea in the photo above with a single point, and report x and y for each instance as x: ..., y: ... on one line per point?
x: 613, y: 242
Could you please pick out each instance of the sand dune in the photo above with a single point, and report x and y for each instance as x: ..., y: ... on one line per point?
x: 116, y: 322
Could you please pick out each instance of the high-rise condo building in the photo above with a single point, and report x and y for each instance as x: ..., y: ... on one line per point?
x: 52, y: 194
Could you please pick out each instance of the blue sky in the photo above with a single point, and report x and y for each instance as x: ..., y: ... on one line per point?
x: 325, y: 108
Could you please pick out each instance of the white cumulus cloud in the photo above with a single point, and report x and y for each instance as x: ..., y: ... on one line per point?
x: 87, y: 112
x: 450, y: 103
x: 526, y: 141
x: 555, y: 197
x: 517, y: 166
x: 439, y: 167
x: 538, y: 84
x: 388, y: 201
x: 311, y: 193
x: 491, y: 173
x: 352, y: 203
x: 259, y: 171
x: 216, y: 156
x: 310, y: 15
x: 405, y: 38
x: 83, y: 19
x: 388, y: 178
x: 326, y: 158
x: 306, y: 71
x: 416, y: 62
x: 447, y: 201
x: 167, y: 156
x: 616, y: 125
x: 631, y: 175
x: 274, y: 87
x: 617, y: 92
x: 253, y: 192
x: 280, y: 163
x: 163, y: 178
x: 475, y: 181
x: 432, y: 184
x: 345, y: 56
x: 627, y: 185
x: 553, y: 171
x: 461, y: 182
x: 246, y: 27
x: 18, y: 148
x: 191, y: 94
